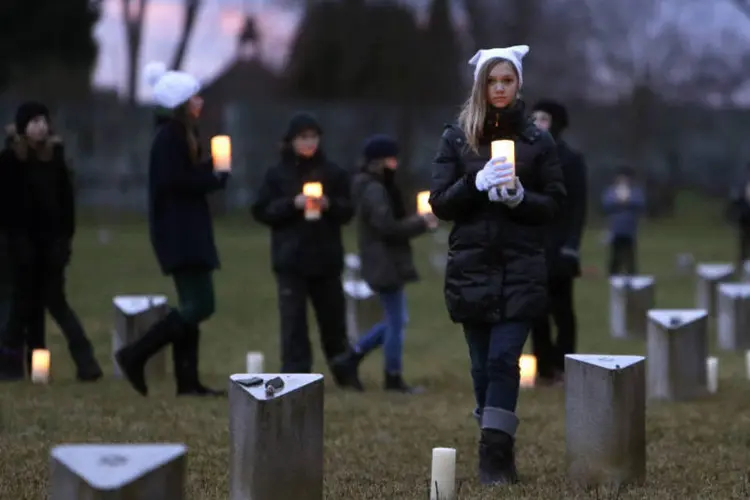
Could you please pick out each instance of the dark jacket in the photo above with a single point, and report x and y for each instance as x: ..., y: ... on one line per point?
x: 38, y: 201
x: 567, y: 228
x: 382, y: 235
x: 299, y: 246
x: 496, y: 268
x: 739, y: 201
x: 180, y: 222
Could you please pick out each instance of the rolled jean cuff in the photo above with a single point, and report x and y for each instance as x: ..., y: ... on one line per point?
x: 500, y: 420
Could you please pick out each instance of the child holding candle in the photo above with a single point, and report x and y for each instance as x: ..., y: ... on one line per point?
x: 496, y: 275
x: 181, y: 231
x: 38, y: 192
x: 307, y: 253
x: 384, y: 232
x: 624, y: 202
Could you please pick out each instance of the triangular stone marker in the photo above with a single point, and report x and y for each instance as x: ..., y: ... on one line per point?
x: 636, y: 282
x: 607, y: 361
x: 675, y: 318
x: 714, y: 271
x: 136, y: 304
x: 112, y: 467
x: 735, y: 289
x: 276, y: 441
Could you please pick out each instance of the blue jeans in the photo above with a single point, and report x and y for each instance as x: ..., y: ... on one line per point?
x: 389, y: 333
x: 494, y: 351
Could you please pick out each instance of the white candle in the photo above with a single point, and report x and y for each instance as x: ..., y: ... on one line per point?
x: 443, y: 478
x: 527, y: 365
x: 313, y: 191
x: 221, y: 151
x: 712, y: 374
x: 747, y: 363
x: 40, y: 366
x: 506, y: 149
x: 255, y: 362
x: 423, y: 203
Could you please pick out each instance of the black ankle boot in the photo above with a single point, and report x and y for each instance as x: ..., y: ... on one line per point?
x: 87, y: 368
x: 345, y: 370
x: 132, y: 358
x: 497, y: 463
x: 11, y: 365
x: 185, y: 354
x: 395, y: 383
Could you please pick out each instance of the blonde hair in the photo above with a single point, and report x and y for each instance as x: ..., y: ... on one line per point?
x: 474, y: 111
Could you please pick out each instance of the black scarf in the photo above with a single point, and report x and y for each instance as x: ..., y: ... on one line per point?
x: 501, y: 122
x: 394, y: 194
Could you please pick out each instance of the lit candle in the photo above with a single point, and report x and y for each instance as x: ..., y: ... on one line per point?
x: 443, y: 477
x: 423, y: 203
x: 527, y: 363
x: 254, y: 362
x: 40, y: 366
x: 221, y: 151
x: 313, y: 191
x: 712, y: 374
x: 507, y: 149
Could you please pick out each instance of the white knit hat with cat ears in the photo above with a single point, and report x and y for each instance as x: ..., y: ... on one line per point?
x: 514, y: 55
x: 170, y: 88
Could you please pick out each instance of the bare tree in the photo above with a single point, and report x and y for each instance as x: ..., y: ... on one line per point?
x: 188, y: 24
x: 133, y: 14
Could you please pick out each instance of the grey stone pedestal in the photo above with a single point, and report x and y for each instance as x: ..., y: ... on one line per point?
x: 629, y: 301
x: 733, y: 313
x: 276, y: 442
x: 677, y: 349
x: 605, y: 419
x: 118, y: 472
x: 708, y: 277
x: 134, y: 315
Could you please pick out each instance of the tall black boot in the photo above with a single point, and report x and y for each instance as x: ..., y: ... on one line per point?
x: 185, y: 354
x: 87, y: 367
x: 395, y: 383
x: 497, y: 463
x: 132, y: 358
x: 345, y: 370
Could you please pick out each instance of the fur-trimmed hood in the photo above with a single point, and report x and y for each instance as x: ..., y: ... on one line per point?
x: 20, y: 146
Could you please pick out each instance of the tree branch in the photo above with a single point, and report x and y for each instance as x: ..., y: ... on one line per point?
x: 188, y: 24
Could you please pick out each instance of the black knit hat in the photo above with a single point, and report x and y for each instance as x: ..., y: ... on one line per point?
x: 557, y: 112
x: 302, y: 122
x: 26, y: 112
x: 380, y: 146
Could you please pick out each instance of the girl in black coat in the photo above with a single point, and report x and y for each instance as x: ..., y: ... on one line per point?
x: 38, y: 193
x: 181, y: 231
x: 384, y: 230
x: 495, y: 281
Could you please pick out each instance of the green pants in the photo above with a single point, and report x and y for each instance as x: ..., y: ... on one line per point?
x: 195, y: 293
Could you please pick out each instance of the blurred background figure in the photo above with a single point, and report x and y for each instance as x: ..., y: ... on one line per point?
x: 739, y: 213
x: 383, y: 233
x: 181, y: 231
x: 563, y: 250
x: 307, y: 256
x: 624, y: 203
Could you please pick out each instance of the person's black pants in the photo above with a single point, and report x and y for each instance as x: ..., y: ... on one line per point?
x: 744, y: 244
x: 622, y: 256
x: 327, y: 296
x: 549, y: 353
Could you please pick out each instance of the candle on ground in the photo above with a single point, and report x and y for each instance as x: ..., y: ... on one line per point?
x: 443, y: 476
x: 40, y: 366
x: 527, y: 365
x: 712, y: 374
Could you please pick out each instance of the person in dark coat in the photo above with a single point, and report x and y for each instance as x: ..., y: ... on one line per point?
x: 739, y: 213
x: 307, y: 256
x: 38, y: 193
x: 181, y: 232
x: 384, y: 232
x: 496, y: 274
x: 563, y: 250
x: 624, y: 203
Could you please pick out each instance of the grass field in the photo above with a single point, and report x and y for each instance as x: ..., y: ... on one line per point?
x: 377, y: 445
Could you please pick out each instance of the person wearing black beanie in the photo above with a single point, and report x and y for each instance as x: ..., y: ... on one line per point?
x: 384, y: 232
x: 307, y: 252
x: 562, y: 249
x: 37, y: 186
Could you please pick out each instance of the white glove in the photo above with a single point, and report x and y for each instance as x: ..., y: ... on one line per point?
x: 494, y: 173
x: 501, y: 195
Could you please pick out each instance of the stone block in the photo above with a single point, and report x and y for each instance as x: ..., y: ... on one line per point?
x: 733, y: 316
x: 708, y: 277
x: 629, y: 301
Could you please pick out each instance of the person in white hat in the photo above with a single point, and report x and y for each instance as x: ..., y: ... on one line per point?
x: 496, y: 275
x: 181, y: 231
